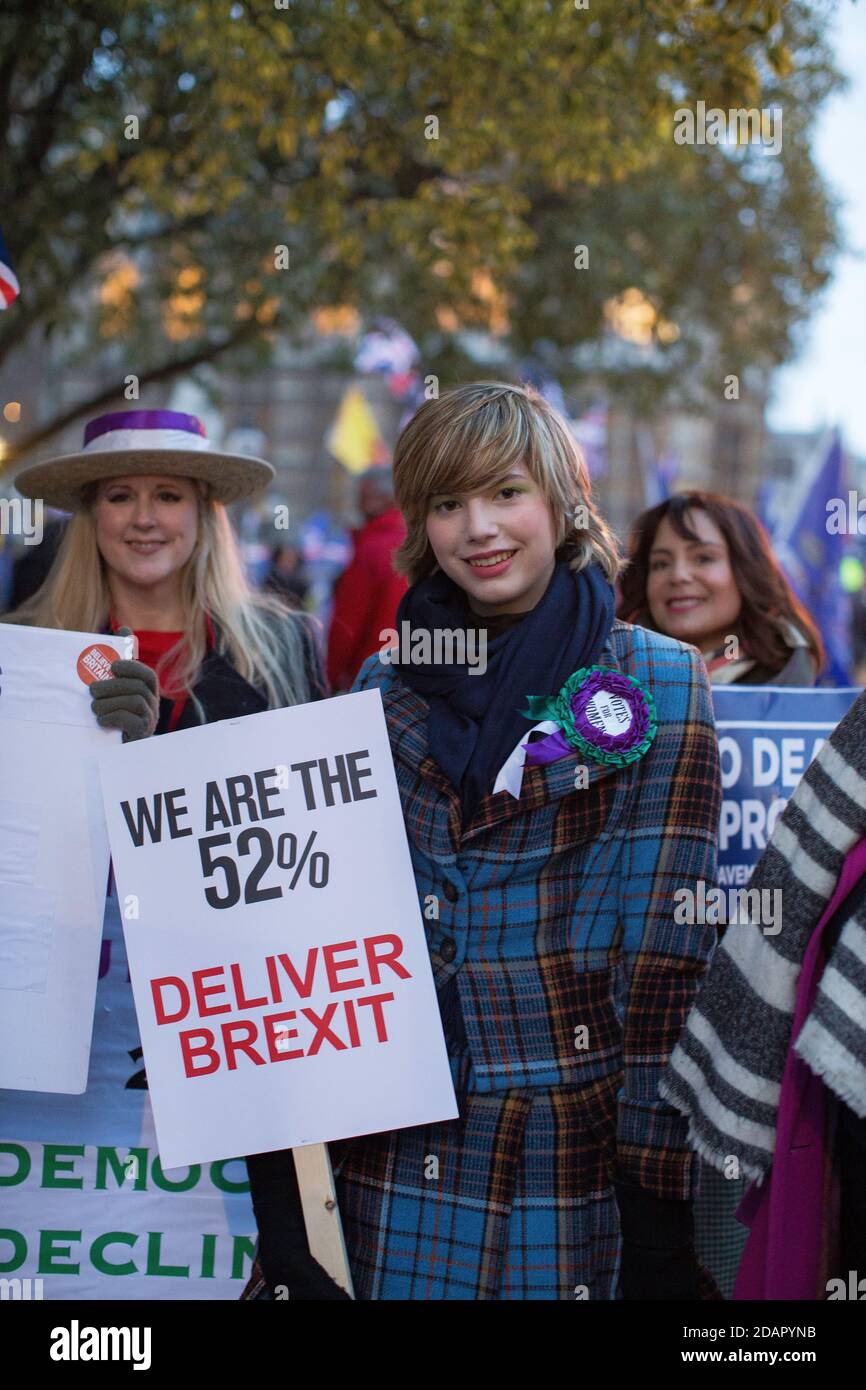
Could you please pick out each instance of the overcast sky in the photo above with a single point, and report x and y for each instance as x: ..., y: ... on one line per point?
x: 826, y: 385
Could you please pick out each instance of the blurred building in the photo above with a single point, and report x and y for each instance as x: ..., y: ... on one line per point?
x: 284, y: 410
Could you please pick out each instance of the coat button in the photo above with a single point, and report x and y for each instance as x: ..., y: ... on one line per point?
x: 448, y: 950
x: 450, y: 891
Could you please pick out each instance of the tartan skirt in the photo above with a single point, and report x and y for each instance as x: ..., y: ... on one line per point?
x: 513, y: 1200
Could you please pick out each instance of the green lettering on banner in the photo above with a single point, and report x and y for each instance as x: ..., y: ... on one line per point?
x: 116, y: 1253
x: 154, y: 1241
x: 208, y: 1255
x: 24, y: 1162
x: 242, y: 1246
x: 52, y: 1164
x: 219, y: 1179
x: 182, y: 1184
x: 108, y: 1158
x: 48, y: 1255
x: 19, y: 1245
x: 97, y: 1255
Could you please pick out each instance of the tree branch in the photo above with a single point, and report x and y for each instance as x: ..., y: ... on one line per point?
x: 405, y: 28
x: 164, y: 372
x: 49, y: 115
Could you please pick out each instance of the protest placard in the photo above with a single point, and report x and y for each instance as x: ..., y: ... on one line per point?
x: 53, y: 852
x: 87, y: 1210
x: 279, y: 964
x: 768, y: 736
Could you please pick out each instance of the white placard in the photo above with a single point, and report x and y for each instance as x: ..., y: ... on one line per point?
x: 86, y: 1209
x: 280, y: 970
x: 53, y: 852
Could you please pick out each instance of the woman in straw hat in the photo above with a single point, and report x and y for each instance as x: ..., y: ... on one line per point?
x: 150, y: 549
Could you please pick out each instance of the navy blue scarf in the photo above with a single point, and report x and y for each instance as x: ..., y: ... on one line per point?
x: 474, y: 720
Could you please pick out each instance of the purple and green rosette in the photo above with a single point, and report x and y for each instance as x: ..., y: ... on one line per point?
x: 604, y: 714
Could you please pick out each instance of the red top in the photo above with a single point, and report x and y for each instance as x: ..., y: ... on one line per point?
x: 365, y: 598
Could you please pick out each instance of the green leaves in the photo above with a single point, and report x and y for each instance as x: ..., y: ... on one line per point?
x: 310, y: 126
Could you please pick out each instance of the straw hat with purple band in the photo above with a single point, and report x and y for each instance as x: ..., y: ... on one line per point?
x: 143, y: 441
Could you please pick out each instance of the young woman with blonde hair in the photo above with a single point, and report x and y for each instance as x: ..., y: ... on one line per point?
x: 555, y: 796
x: 150, y: 547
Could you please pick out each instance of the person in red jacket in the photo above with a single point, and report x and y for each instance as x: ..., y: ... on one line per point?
x: 368, y: 591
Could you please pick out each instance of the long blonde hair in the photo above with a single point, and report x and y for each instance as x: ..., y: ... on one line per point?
x: 267, y: 644
x: 473, y: 436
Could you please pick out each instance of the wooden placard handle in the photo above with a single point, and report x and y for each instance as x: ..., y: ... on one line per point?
x: 321, y: 1212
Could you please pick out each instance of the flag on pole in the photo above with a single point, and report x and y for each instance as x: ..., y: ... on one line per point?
x: 811, y: 554
x: 658, y: 472
x: 767, y: 504
x: 9, y: 287
x: 590, y: 431
x: 386, y: 349
x: 536, y: 375
x: 354, y: 436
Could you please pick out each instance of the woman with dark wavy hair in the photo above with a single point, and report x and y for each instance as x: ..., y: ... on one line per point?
x: 702, y: 570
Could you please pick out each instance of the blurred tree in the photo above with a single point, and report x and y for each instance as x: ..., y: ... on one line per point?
x: 186, y: 182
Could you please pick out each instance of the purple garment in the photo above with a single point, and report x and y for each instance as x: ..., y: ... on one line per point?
x: 786, y: 1215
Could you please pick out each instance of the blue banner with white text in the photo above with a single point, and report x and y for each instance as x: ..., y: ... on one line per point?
x: 768, y: 736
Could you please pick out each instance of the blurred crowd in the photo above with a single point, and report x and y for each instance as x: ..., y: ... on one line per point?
x: 702, y: 569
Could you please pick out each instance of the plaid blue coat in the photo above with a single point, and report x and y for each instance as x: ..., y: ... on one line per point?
x: 564, y: 982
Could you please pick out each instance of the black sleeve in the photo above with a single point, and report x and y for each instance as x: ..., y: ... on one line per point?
x: 658, y: 1260
x: 284, y: 1254
x: 312, y: 641
x: 277, y: 1206
x: 314, y: 669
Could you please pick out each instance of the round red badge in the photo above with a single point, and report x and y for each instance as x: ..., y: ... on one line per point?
x: 94, y: 663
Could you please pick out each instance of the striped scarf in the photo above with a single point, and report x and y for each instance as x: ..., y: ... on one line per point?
x: 725, y: 1073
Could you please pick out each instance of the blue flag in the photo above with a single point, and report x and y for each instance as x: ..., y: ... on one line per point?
x: 811, y: 553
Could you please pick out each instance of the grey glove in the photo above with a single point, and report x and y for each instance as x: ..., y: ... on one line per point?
x: 130, y: 700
